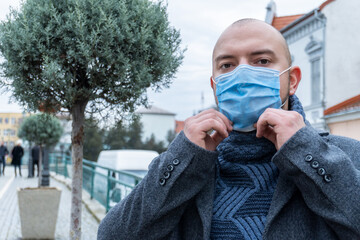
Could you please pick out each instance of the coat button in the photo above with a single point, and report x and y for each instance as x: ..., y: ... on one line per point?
x: 166, y: 175
x: 327, y: 178
x: 162, y: 181
x: 176, y: 161
x: 170, y: 167
x: 321, y: 171
x: 315, y: 164
x: 309, y: 158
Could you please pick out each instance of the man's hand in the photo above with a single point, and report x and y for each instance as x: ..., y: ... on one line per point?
x: 197, y: 127
x: 278, y: 125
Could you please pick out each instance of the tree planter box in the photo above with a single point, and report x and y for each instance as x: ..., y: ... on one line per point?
x: 38, y: 209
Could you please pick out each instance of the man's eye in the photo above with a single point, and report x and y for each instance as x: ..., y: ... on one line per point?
x: 263, y: 61
x: 226, y: 65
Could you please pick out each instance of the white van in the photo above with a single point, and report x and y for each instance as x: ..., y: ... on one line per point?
x: 134, y: 162
x: 127, y: 160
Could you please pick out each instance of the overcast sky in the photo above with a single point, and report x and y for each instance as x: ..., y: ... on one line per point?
x: 200, y: 23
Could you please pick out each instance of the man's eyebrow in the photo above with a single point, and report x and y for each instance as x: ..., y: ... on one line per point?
x: 262, y: 51
x: 222, y: 57
x: 254, y: 53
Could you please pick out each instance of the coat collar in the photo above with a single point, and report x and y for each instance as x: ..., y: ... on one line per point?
x: 283, y: 192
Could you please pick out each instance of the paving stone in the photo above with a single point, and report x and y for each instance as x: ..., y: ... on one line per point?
x: 10, y: 228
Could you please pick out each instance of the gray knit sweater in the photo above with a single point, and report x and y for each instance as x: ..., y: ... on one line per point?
x: 317, y: 194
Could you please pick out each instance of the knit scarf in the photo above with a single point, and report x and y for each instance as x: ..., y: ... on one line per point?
x: 245, y: 183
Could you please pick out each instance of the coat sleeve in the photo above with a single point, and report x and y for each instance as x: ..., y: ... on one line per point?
x: 154, y: 208
x: 326, y: 171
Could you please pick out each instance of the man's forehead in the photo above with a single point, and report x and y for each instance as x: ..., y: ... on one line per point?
x: 254, y: 29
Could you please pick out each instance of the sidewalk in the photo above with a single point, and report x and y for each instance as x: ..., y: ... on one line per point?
x: 10, y: 228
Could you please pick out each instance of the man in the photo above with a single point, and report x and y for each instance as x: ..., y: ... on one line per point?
x: 17, y: 154
x: 266, y: 174
x: 3, y: 153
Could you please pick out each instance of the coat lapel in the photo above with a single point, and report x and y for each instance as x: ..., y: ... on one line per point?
x: 283, y: 192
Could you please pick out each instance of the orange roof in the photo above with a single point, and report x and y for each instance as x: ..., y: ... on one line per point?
x: 281, y: 22
x: 179, y: 126
x: 325, y: 3
x: 345, y: 105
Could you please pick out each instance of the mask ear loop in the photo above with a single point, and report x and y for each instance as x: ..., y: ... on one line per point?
x: 212, y: 79
x: 279, y: 76
x: 285, y: 71
x: 284, y: 102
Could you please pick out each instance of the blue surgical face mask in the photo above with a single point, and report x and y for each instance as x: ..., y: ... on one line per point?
x: 246, y: 92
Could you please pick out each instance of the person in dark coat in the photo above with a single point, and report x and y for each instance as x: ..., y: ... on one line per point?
x: 35, y: 154
x: 17, y: 153
x: 3, y: 152
x: 259, y: 172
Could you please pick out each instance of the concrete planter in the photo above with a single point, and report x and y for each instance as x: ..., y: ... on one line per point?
x: 38, y: 209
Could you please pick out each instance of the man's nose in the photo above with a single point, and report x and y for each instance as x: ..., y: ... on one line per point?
x: 243, y: 60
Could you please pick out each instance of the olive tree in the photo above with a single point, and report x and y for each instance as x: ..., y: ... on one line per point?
x: 92, y: 55
x: 41, y: 129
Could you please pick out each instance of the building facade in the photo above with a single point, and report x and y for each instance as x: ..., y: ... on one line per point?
x: 9, y: 127
x: 323, y: 42
x: 344, y: 118
x: 156, y: 121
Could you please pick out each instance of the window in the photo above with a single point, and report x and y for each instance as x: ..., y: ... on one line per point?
x: 13, y: 121
x: 12, y: 132
x: 6, y: 120
x: 1, y: 119
x: 315, y: 51
x: 315, y: 81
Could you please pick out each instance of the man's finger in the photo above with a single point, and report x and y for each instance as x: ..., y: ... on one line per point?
x: 216, y: 124
x: 216, y: 115
x: 269, y: 117
x: 270, y: 134
x: 217, y: 138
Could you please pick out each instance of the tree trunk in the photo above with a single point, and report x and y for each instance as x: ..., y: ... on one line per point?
x: 30, y: 163
x: 45, y: 173
x: 40, y: 165
x: 77, y: 139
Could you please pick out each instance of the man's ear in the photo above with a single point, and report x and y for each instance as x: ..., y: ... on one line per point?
x: 295, y: 77
x: 212, y: 82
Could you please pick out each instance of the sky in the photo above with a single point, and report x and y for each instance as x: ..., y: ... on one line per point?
x: 200, y: 23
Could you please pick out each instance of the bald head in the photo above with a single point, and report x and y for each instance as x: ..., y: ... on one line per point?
x: 249, y: 24
x: 255, y: 43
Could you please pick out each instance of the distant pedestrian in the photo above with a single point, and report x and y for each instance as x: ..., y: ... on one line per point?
x: 35, y: 154
x: 3, y: 153
x: 17, y: 153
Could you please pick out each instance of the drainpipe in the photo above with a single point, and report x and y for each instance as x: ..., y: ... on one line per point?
x: 322, y: 19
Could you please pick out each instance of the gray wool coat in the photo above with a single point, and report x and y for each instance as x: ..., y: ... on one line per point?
x: 317, y: 194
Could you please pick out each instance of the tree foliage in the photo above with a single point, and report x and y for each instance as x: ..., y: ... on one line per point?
x: 87, y: 54
x: 105, y: 52
x: 42, y: 129
x: 129, y: 136
x: 124, y: 135
x: 152, y: 144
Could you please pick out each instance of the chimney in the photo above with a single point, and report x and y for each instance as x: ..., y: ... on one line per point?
x: 270, y: 12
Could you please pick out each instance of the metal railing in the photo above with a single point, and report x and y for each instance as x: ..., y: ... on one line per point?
x: 108, y: 186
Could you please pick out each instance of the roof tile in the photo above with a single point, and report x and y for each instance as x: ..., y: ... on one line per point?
x: 281, y: 22
x: 348, y: 104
